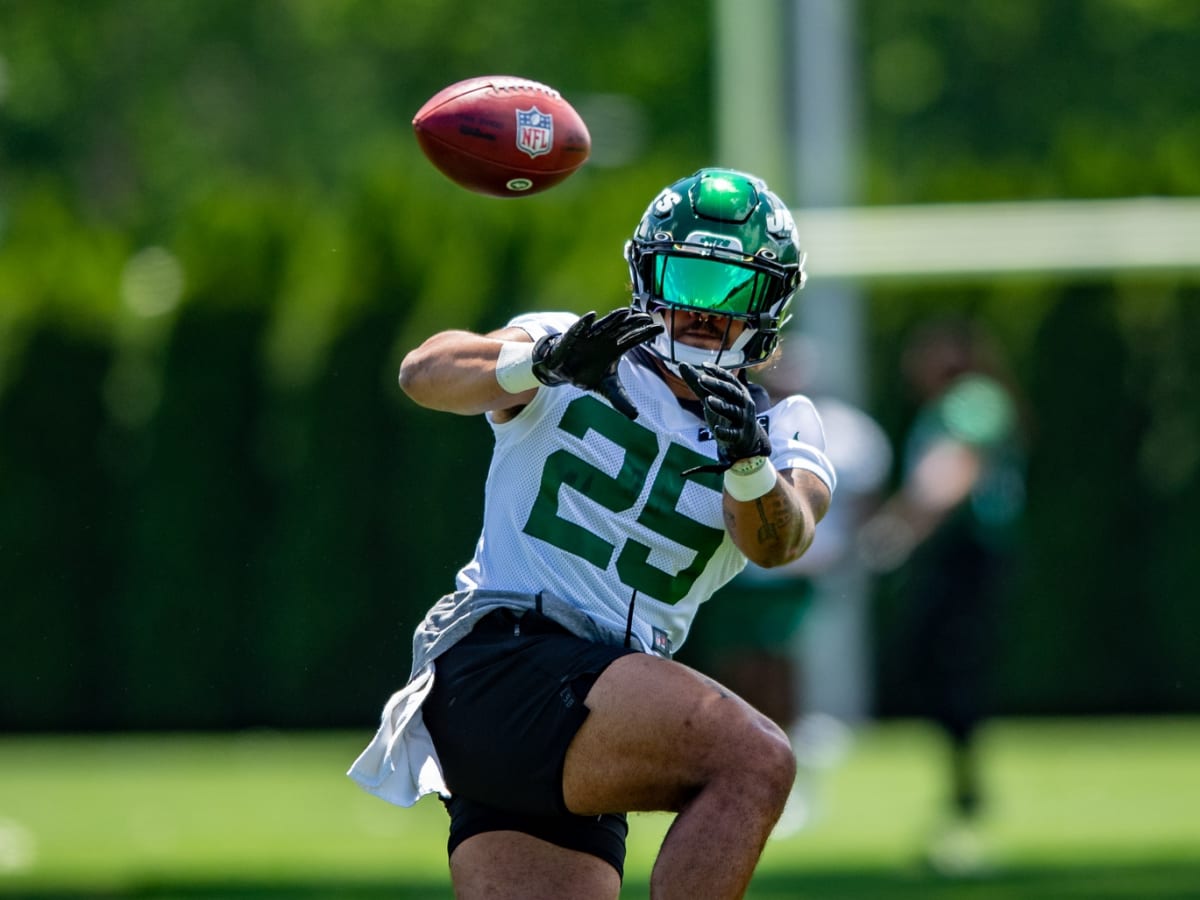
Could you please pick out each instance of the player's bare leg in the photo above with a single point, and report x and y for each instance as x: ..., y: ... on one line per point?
x: 661, y: 736
x: 509, y: 865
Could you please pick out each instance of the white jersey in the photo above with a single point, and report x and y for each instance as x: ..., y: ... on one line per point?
x: 592, y: 510
x: 585, y: 504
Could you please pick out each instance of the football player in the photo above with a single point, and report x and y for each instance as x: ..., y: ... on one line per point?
x: 635, y: 470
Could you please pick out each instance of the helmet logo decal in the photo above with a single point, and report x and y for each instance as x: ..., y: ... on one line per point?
x: 666, y: 202
x: 780, y: 222
x: 720, y: 241
x: 535, y: 131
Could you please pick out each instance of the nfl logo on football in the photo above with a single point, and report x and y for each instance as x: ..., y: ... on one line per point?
x: 535, y: 131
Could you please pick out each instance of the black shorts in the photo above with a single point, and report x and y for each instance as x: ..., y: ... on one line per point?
x: 506, y: 703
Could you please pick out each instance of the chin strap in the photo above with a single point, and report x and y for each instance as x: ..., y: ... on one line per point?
x: 675, y: 353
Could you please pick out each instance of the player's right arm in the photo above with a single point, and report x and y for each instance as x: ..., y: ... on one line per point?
x: 455, y: 371
x: 466, y: 373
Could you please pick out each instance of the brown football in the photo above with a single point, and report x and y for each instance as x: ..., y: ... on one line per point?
x: 502, y: 135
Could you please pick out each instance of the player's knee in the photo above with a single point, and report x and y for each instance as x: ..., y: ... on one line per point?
x: 760, y: 762
x: 773, y: 764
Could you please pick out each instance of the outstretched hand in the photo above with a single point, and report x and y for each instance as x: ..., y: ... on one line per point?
x: 728, y: 411
x: 587, y: 353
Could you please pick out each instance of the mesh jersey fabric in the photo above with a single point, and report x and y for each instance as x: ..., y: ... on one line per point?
x: 594, y: 508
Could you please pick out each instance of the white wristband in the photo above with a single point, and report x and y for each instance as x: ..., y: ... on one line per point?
x: 514, y: 367
x: 755, y: 479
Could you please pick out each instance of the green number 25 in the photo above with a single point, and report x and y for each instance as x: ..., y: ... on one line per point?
x: 619, y: 493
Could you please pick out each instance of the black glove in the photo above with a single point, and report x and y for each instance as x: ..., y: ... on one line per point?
x: 586, y: 354
x: 730, y: 414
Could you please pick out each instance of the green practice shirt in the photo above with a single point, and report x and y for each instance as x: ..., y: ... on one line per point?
x: 976, y: 410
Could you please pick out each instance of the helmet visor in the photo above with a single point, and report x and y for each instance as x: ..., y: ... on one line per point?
x: 709, y: 284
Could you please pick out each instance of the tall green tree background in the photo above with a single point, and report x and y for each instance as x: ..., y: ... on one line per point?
x: 217, y: 239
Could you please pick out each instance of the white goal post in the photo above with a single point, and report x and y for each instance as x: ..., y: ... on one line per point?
x: 989, y: 239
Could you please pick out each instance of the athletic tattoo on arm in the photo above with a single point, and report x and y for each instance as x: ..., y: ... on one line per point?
x: 774, y: 530
x: 767, y: 531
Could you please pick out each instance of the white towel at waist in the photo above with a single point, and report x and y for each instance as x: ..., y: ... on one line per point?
x: 400, y: 764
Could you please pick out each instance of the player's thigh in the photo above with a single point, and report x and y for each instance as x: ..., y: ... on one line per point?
x: 509, y: 865
x: 657, y: 731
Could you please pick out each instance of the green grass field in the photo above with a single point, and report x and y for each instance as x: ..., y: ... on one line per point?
x: 1082, y: 809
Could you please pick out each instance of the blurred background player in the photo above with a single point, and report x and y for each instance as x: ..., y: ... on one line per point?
x: 950, y: 525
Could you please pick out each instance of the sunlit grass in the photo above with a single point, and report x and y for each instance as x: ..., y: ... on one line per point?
x: 1111, y: 808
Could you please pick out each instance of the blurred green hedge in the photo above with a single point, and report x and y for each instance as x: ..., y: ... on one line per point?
x: 217, y: 239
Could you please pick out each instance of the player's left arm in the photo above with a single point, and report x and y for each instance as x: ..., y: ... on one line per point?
x: 778, y: 527
x: 771, y: 515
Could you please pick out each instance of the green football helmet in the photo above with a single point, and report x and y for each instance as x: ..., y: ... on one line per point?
x: 722, y: 244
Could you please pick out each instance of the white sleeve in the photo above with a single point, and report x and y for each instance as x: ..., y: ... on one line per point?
x: 540, y: 324
x: 798, y: 439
